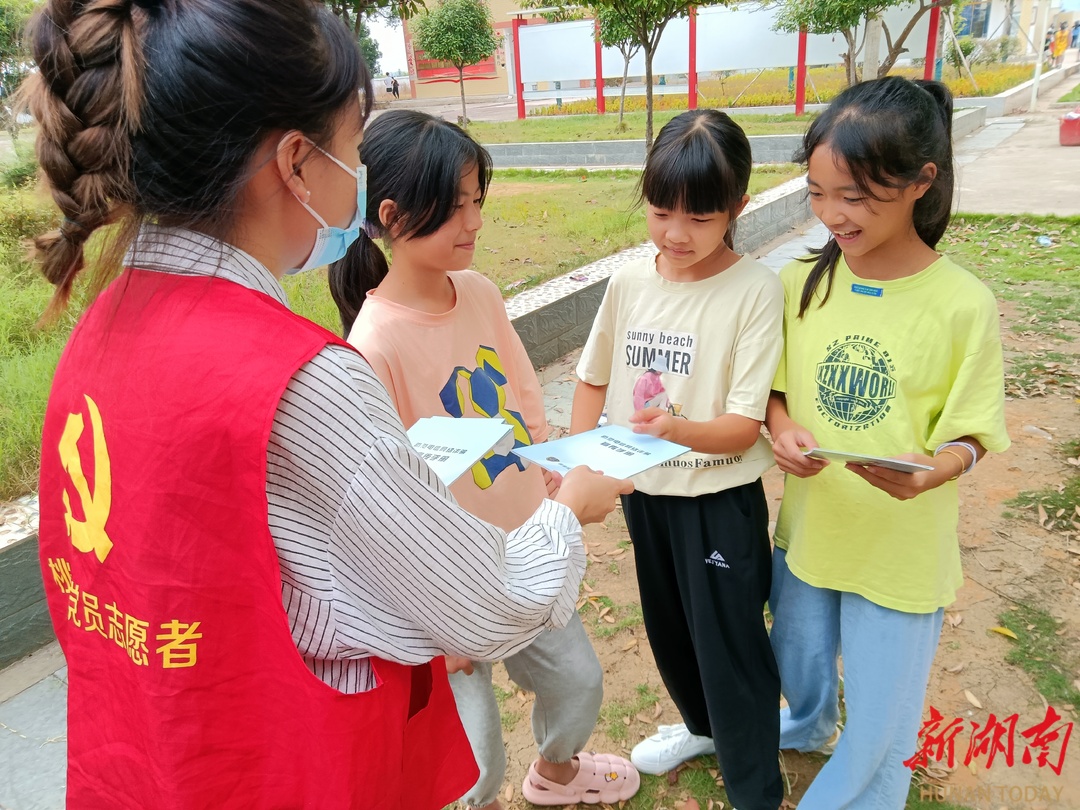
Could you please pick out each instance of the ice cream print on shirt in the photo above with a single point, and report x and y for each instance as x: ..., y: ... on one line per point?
x: 658, y: 352
x: 856, y: 383
x: 649, y: 389
x: 482, y: 390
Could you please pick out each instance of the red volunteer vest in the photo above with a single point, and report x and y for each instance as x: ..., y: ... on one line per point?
x: 185, y: 689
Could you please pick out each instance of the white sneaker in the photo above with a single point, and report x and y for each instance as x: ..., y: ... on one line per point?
x: 829, y: 746
x: 668, y: 749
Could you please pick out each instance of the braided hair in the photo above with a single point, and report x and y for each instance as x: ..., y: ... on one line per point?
x: 86, y: 97
x: 155, y: 110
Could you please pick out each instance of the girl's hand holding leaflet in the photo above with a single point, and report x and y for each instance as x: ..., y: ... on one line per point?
x: 656, y: 422
x: 905, y: 486
x: 788, y: 450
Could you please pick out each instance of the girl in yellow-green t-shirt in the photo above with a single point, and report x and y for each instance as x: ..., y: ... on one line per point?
x: 890, y: 350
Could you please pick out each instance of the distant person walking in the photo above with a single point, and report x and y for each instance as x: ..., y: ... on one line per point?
x: 1060, y: 44
x: 1075, y: 34
x: 395, y: 88
x: 389, y: 82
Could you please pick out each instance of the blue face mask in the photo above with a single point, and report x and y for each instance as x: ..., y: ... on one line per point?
x: 332, y: 243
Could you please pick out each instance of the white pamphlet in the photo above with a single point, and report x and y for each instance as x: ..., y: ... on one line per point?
x: 867, y: 461
x: 612, y: 449
x: 452, y: 446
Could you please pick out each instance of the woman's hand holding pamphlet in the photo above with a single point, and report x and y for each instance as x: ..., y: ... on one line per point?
x: 613, y: 450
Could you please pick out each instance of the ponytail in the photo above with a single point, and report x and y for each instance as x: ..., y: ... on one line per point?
x: 824, y: 267
x: 352, y: 277
x: 885, y: 131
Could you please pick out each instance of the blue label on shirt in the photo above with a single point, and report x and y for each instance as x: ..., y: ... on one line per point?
x: 863, y: 289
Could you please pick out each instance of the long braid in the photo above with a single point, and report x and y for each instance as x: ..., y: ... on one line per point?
x: 86, y: 97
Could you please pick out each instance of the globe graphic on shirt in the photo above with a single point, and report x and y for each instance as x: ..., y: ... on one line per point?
x: 854, y: 383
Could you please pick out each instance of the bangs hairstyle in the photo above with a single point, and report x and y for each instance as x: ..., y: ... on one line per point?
x: 699, y: 164
x: 885, y: 131
x: 416, y: 161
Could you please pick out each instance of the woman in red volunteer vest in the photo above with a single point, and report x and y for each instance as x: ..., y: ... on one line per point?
x: 248, y: 568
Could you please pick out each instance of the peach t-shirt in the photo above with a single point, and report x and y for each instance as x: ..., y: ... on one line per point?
x: 468, y: 362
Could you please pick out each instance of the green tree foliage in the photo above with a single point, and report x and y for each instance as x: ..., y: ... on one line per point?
x: 458, y: 32
x: 369, y: 48
x: 647, y: 19
x: 14, y: 59
x: 558, y: 13
x: 352, y: 10
x: 354, y: 13
x: 846, y: 17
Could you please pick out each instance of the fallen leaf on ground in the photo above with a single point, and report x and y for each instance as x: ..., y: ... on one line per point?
x: 974, y: 701
x: 1005, y: 631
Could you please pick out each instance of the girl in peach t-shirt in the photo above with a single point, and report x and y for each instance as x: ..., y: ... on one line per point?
x: 438, y: 337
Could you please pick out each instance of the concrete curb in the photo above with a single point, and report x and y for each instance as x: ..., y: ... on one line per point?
x: 24, y: 614
x: 584, y: 154
x: 1018, y: 98
x: 576, y: 154
x: 555, y: 318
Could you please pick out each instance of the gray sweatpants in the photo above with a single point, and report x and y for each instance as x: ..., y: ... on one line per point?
x: 562, y: 669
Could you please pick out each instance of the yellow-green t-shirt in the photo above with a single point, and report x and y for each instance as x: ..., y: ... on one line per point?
x: 884, y: 368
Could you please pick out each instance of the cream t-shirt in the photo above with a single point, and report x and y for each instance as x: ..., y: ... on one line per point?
x: 700, y: 349
x: 468, y: 362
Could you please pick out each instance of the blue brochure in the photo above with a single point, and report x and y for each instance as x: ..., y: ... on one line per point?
x: 613, y: 450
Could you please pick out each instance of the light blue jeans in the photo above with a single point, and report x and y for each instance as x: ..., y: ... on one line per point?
x: 887, y: 657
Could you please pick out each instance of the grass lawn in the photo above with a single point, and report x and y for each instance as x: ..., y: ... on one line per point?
x: 544, y: 129
x: 1039, y: 279
x: 1072, y: 95
x: 538, y: 225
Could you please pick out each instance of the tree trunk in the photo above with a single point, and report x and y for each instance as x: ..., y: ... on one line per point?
x: 461, y: 85
x: 1007, y: 32
x: 872, y: 47
x: 897, y: 48
x: 648, y: 95
x: 851, y: 59
x: 622, y: 95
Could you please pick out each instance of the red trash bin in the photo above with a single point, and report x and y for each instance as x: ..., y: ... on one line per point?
x: 1069, y: 134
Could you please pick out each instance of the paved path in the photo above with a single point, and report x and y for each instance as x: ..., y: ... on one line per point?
x: 998, y: 174
x: 1027, y: 170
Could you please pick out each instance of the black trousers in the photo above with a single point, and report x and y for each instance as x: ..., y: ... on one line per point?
x: 704, y: 570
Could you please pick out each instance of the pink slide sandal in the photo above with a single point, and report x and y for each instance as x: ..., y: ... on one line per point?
x: 600, y: 778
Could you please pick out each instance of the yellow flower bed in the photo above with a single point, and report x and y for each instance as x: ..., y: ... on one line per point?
x: 771, y: 89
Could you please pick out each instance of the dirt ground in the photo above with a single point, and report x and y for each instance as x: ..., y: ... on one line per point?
x: 1007, y: 561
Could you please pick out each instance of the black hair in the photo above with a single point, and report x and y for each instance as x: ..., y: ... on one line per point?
x: 699, y: 163
x: 416, y: 160
x: 885, y: 131
x: 155, y: 109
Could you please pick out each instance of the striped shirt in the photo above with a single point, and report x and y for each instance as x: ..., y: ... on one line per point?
x: 376, y: 557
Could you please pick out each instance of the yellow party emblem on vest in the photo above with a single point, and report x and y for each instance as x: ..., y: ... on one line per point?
x: 88, y: 534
